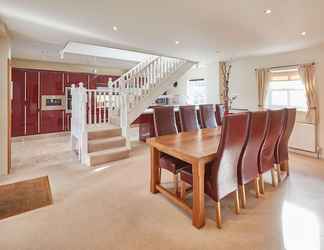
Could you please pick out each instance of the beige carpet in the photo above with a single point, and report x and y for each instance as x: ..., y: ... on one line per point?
x: 110, y: 207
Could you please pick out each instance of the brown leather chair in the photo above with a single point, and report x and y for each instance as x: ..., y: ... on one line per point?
x: 165, y: 124
x: 248, y: 166
x: 188, y: 118
x: 207, y: 116
x: 221, y: 174
x: 267, y: 152
x: 220, y: 111
x: 281, y: 152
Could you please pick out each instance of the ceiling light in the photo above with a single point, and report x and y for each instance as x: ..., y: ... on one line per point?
x: 268, y: 11
x: 303, y: 33
x: 115, y: 28
x: 177, y: 42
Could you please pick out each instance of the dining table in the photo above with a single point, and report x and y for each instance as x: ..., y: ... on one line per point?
x: 197, y: 148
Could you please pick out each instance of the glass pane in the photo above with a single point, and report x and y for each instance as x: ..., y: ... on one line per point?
x: 279, y: 98
x: 197, y: 92
x: 297, y: 99
x: 286, y: 85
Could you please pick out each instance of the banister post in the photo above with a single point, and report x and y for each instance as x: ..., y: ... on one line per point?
x: 83, y: 123
x: 73, y: 119
x: 123, y: 113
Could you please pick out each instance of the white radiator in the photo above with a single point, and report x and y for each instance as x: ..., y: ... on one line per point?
x: 304, y: 137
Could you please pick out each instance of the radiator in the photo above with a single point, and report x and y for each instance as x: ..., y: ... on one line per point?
x: 304, y: 137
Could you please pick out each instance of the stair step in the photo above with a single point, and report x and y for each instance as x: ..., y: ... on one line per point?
x: 104, y: 133
x: 104, y: 156
x: 107, y: 143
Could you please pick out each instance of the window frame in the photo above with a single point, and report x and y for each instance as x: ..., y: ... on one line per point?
x: 191, y: 83
x: 274, y: 78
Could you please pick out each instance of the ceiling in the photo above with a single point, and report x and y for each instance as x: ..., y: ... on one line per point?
x: 207, y: 30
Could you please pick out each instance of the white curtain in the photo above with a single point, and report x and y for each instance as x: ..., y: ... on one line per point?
x: 262, y: 77
x: 307, y: 75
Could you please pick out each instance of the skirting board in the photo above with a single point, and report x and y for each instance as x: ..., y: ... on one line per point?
x: 306, y: 153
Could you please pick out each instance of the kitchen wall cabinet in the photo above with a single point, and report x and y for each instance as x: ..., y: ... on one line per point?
x: 32, y: 102
x: 18, y: 102
x: 29, y: 85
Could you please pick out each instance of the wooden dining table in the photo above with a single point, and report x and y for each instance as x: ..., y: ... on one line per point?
x: 196, y: 148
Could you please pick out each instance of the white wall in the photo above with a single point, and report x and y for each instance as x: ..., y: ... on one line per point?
x: 4, y: 101
x: 243, y: 78
x: 209, y: 73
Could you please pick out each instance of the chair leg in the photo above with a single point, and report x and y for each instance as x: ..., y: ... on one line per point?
x: 273, y: 176
x: 287, y: 166
x: 278, y: 172
x: 237, y: 202
x: 261, y: 184
x: 183, y: 192
x: 160, y: 174
x: 243, y: 195
x: 176, y: 184
x: 257, y: 187
x: 218, y: 215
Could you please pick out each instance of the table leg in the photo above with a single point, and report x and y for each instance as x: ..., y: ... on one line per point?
x: 155, y: 179
x: 198, y: 210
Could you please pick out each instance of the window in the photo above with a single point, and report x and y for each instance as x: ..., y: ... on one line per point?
x: 197, y: 91
x: 286, y: 90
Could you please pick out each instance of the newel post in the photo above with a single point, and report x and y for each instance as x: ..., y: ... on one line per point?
x: 74, y: 137
x: 83, y: 123
x: 123, y: 113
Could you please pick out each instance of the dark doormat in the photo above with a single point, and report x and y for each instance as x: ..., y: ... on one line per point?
x: 20, y: 197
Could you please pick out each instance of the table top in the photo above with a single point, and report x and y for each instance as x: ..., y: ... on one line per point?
x: 189, y: 146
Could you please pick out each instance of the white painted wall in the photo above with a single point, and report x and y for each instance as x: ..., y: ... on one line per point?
x: 209, y: 73
x: 4, y: 94
x: 243, y: 79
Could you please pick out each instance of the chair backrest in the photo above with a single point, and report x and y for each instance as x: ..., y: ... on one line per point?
x: 232, y: 142
x: 281, y: 153
x: 220, y: 111
x: 266, y: 156
x: 164, y: 121
x: 207, y: 116
x: 188, y: 118
x: 248, y: 167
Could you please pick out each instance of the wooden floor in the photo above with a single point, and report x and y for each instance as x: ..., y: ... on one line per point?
x: 23, y: 196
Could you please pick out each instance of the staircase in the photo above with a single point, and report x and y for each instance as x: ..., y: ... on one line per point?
x: 100, y: 118
x: 106, y: 145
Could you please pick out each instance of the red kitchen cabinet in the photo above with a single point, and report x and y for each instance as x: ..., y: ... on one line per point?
x: 29, y: 86
x: 18, y: 102
x: 51, y: 83
x: 75, y: 78
x: 32, y: 102
x: 52, y: 121
x: 100, y: 80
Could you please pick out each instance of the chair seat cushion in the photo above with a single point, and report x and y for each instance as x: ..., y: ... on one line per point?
x: 186, y: 176
x: 186, y: 173
x: 172, y: 164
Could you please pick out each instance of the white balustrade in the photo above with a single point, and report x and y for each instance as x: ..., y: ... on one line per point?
x: 97, y: 107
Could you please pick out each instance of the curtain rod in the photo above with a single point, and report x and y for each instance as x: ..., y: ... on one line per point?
x: 286, y: 66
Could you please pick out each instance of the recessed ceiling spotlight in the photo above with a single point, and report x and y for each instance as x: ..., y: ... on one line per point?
x: 268, y: 11
x: 303, y: 33
x: 115, y: 28
x: 177, y: 42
